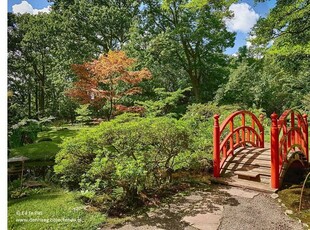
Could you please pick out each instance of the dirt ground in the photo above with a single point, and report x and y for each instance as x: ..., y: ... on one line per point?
x: 222, y: 207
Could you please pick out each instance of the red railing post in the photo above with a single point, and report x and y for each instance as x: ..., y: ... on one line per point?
x: 274, y: 151
x: 231, y: 139
x: 306, y: 136
x: 261, y: 134
x: 216, y: 146
x: 293, y: 141
x: 243, y: 129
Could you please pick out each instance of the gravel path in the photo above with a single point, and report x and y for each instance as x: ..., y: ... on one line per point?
x: 223, y: 208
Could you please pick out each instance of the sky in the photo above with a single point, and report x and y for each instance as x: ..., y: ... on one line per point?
x: 246, y: 14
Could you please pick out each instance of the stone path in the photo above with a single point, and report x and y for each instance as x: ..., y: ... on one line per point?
x: 223, y: 208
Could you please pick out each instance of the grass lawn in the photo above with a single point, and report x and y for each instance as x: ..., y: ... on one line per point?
x: 54, y: 209
x: 45, y: 150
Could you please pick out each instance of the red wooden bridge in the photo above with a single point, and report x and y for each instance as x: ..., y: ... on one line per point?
x: 241, y: 155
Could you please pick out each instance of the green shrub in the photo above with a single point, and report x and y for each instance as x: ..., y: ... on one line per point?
x: 83, y: 113
x: 199, y: 118
x: 166, y: 103
x: 125, y: 156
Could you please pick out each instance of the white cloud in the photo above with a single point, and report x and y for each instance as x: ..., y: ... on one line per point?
x: 22, y: 8
x: 25, y: 7
x: 44, y: 10
x: 244, y: 18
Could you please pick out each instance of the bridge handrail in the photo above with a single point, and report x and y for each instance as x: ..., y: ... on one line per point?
x: 220, y: 146
x: 233, y: 115
x: 284, y: 139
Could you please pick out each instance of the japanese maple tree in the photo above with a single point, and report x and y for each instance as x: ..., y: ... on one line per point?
x: 108, y: 81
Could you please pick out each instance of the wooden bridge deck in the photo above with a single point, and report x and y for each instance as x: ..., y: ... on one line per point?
x: 249, y: 168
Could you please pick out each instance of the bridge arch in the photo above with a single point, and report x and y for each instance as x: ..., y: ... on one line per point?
x: 238, y: 129
x: 291, y: 170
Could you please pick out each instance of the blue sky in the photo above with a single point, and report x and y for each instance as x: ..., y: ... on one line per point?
x: 262, y: 10
x: 37, y: 4
x: 246, y: 13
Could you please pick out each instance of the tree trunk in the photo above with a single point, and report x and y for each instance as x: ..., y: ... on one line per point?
x: 42, y: 93
x: 195, y: 85
x: 37, y: 100
x: 29, y: 103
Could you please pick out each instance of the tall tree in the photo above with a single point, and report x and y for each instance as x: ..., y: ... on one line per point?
x: 95, y: 27
x: 191, y: 36
x: 30, y: 55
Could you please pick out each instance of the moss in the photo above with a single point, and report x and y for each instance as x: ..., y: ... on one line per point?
x: 291, y: 196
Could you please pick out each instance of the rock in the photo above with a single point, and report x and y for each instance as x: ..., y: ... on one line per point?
x: 305, y: 225
x: 279, y: 200
x: 288, y: 212
x: 274, y: 196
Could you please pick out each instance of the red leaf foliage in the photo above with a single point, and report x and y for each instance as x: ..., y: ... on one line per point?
x: 99, y: 81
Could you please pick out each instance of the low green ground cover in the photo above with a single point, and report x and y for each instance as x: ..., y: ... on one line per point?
x: 45, y: 150
x: 51, y: 209
x: 291, y: 197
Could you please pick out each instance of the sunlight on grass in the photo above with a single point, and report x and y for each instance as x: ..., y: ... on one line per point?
x: 46, y: 150
x: 37, y: 151
x: 56, y: 209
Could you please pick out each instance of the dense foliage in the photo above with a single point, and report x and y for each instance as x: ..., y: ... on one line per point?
x: 42, y: 48
x: 129, y: 156
x: 274, y: 72
x: 26, y: 131
x: 124, y: 157
x: 181, y: 42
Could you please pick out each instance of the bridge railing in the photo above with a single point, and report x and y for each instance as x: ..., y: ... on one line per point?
x: 238, y: 129
x: 289, y: 134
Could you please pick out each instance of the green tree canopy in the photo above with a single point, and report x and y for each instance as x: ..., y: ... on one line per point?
x: 187, y: 37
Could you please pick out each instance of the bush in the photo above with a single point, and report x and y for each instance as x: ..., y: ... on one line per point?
x: 83, y: 113
x: 125, y: 156
x: 199, y: 118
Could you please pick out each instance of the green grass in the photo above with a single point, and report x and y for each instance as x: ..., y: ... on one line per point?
x: 37, y: 151
x: 54, y: 209
x: 46, y: 150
